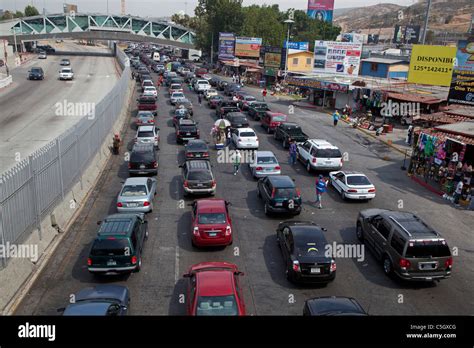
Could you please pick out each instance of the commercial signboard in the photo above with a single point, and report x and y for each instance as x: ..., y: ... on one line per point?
x: 247, y: 47
x: 352, y: 37
x: 272, y: 57
x: 461, y: 90
x: 431, y: 65
x: 342, y: 58
x: 406, y: 34
x: 300, y: 46
x: 321, y: 9
x: 226, y: 46
x: 316, y: 84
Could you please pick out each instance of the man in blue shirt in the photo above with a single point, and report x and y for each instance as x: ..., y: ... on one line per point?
x: 335, y: 117
x: 321, y: 185
x: 293, y: 149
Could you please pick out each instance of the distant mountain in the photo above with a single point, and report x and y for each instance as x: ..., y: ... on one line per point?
x: 445, y: 15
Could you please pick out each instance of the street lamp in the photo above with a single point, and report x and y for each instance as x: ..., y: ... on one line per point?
x: 289, y: 22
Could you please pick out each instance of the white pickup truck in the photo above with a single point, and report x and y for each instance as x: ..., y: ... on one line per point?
x: 201, y: 86
x: 66, y: 74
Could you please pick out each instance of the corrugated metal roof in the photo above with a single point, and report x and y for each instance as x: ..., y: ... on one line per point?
x: 383, y: 61
x: 414, y: 98
x: 463, y: 128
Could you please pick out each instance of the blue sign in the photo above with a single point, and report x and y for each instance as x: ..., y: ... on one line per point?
x: 301, y: 46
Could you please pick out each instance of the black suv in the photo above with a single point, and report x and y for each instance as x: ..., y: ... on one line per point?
x: 143, y: 160
x: 36, y: 73
x: 303, y: 247
x: 225, y: 107
x: 119, y: 244
x: 407, y: 246
x: 237, y: 120
x: 279, y: 194
x: 198, y: 177
x: 232, y: 88
x: 186, y: 129
x: 333, y: 306
x: 196, y: 149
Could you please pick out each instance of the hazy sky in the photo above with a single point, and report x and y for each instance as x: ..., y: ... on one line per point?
x: 162, y: 8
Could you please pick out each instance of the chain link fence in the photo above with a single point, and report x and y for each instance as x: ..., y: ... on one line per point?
x: 33, y: 187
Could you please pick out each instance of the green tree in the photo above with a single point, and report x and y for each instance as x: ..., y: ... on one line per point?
x: 264, y: 22
x: 19, y: 14
x: 31, y: 11
x: 7, y: 15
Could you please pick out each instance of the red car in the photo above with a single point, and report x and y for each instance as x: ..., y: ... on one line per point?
x: 213, y: 289
x: 211, y: 225
x: 146, y: 103
x: 271, y: 120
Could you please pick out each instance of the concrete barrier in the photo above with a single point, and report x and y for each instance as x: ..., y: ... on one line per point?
x: 17, y: 278
x: 5, y: 81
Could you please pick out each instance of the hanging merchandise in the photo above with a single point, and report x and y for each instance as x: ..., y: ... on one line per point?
x: 429, y: 147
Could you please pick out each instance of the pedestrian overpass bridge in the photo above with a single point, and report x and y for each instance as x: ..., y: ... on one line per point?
x: 96, y: 27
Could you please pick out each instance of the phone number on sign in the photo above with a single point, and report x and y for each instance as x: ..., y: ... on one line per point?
x: 434, y: 69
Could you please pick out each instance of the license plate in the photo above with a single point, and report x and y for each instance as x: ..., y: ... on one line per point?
x: 278, y: 204
x: 362, y: 197
x: 198, y: 155
x: 132, y: 205
x: 315, y: 270
x: 111, y: 263
x: 142, y: 166
x: 199, y: 185
x: 429, y: 266
x: 212, y: 234
x: 188, y: 133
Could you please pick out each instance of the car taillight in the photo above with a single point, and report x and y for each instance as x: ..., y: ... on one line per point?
x: 277, y: 168
x: 205, y: 154
x: 404, y: 263
x: 352, y: 191
x: 154, y: 164
x: 313, y: 160
x: 129, y: 165
x: 119, y: 204
x: 273, y: 192
x: 134, y: 260
x: 213, y: 183
x: 298, y: 192
x: 296, y: 266
x: 146, y: 204
x: 228, y: 230
x: 333, y: 266
x: 196, y: 231
x: 448, y: 263
x: 190, y: 155
x: 372, y: 190
x: 185, y: 183
x: 259, y: 168
x: 89, y: 261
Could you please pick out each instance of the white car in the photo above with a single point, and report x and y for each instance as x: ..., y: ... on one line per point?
x: 42, y: 55
x: 245, y: 138
x: 150, y: 91
x: 352, y: 185
x: 66, y: 74
x: 202, y: 86
x: 265, y: 163
x: 147, y: 135
x: 210, y: 93
x: 176, y: 97
x: 137, y: 195
x: 318, y: 154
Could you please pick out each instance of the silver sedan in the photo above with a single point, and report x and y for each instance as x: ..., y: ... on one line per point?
x: 265, y: 163
x: 137, y: 195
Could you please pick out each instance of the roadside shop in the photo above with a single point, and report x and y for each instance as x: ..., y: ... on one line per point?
x: 442, y: 157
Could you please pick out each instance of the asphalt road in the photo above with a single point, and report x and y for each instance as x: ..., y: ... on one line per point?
x: 29, y: 115
x: 168, y: 252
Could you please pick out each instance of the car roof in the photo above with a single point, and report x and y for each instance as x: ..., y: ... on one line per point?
x: 328, y: 304
x: 146, y: 128
x: 211, y: 205
x: 195, y: 142
x: 117, y: 224
x: 349, y: 173
x: 143, y: 148
x: 186, y: 122
x: 102, y: 291
x: 281, y: 180
x: 248, y: 129
x: 215, y: 283
x: 290, y: 124
x: 411, y: 223
x: 322, y: 143
x: 87, y: 308
x: 136, y: 181
x: 265, y: 153
x: 273, y: 113
x: 198, y: 164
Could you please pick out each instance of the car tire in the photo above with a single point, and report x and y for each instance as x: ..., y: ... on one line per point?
x: 139, y: 266
x: 359, y: 232
x: 308, y: 166
x: 387, y: 266
x: 275, y: 135
x: 259, y: 195
x: 343, y: 195
x: 265, y: 209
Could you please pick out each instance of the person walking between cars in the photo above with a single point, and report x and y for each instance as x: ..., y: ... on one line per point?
x: 200, y: 99
x: 228, y: 136
x: 335, y: 117
x: 237, y: 160
x: 264, y: 93
x: 321, y: 185
x: 116, y: 144
x: 293, y: 150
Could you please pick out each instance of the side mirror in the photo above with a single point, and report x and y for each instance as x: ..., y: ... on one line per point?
x: 228, y: 203
x: 187, y: 275
x: 324, y: 229
x: 239, y: 273
x: 157, y: 128
x: 180, y: 166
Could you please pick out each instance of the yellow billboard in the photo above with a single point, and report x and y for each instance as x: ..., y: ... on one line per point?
x: 431, y: 65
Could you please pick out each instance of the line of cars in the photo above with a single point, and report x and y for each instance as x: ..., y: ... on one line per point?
x: 66, y: 72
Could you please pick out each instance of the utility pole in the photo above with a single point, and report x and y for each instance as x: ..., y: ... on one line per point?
x: 427, y: 17
x: 212, y: 49
x: 289, y: 22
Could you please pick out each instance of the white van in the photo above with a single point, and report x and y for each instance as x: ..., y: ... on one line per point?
x: 318, y: 154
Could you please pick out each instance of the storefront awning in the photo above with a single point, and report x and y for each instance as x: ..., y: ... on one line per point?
x: 413, y: 98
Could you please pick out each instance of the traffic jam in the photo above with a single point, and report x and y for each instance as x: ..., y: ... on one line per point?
x: 231, y: 145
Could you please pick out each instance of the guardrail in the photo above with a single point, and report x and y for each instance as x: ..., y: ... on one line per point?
x: 33, y: 187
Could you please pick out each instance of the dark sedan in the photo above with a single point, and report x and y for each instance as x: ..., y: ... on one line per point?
x: 36, y: 73
x: 237, y: 120
x: 333, y: 306
x: 214, y: 101
x: 303, y: 246
x: 101, y: 300
x: 196, y: 149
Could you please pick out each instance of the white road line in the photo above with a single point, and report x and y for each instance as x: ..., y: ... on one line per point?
x: 176, y: 265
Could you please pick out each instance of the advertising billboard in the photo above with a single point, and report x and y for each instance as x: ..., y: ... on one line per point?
x: 321, y: 9
x: 352, y: 37
x: 226, y: 46
x: 461, y: 90
x: 272, y: 57
x: 342, y: 58
x: 431, y: 65
x: 406, y: 34
x: 300, y: 46
x: 247, y: 47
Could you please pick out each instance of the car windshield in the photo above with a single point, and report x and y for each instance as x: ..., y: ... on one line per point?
x: 134, y: 190
x: 178, y: 95
x: 247, y: 134
x: 427, y: 249
x: 306, y: 246
x: 143, y: 156
x: 279, y: 118
x: 239, y: 119
x: 261, y: 106
x: 36, y: 70
x: 145, y: 114
x: 267, y: 160
x: 145, y: 134
x: 197, y: 146
x: 285, y: 192
x: 217, y: 305
x: 358, y: 180
x: 187, y: 128
x: 110, y: 247
x: 212, y: 218
x: 146, y: 101
x: 329, y: 153
x: 200, y: 175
